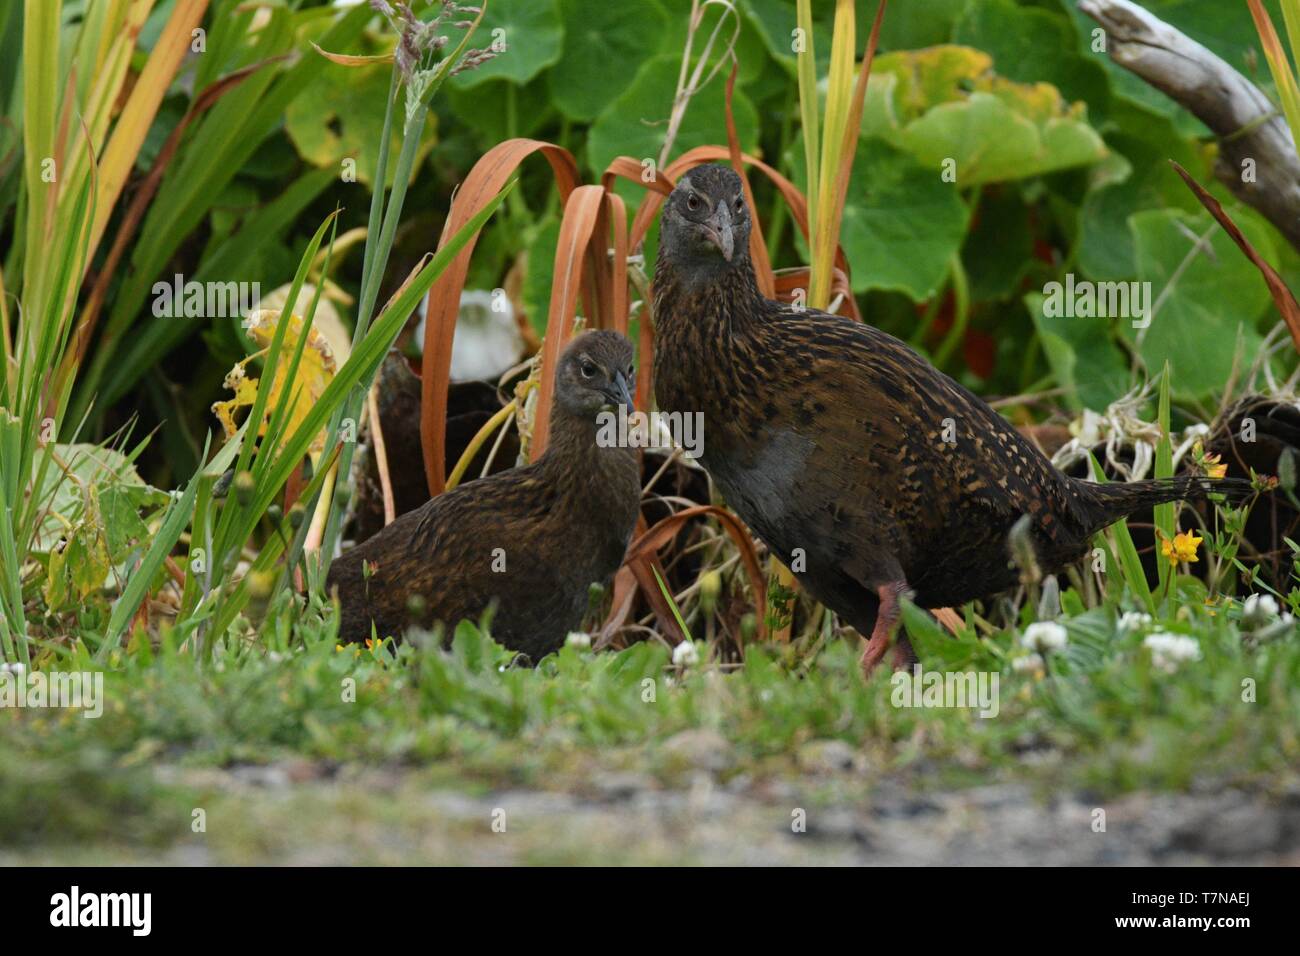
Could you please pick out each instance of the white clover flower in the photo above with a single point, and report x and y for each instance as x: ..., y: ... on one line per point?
x: 685, y: 654
x: 1030, y: 662
x: 1170, y: 650
x: 1044, y: 636
x: 1260, y: 607
x: 579, y: 640
x: 1131, y: 621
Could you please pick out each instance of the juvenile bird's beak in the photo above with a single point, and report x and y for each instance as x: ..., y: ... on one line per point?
x: 618, y: 391
x: 718, y: 231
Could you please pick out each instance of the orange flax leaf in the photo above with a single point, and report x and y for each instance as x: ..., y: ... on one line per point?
x: 664, y: 531
x: 481, y: 185
x: 578, y: 226
x: 618, y: 264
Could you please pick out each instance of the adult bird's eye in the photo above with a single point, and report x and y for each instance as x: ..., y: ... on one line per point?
x: 692, y: 202
x: 740, y: 205
x: 588, y: 370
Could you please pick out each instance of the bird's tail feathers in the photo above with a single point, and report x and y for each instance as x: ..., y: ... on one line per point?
x: 1122, y: 499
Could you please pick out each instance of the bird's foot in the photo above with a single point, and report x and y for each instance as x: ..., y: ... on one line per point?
x: 882, y: 635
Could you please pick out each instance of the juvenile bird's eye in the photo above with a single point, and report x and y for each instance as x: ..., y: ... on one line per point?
x: 740, y: 204
x: 693, y: 202
x: 588, y: 370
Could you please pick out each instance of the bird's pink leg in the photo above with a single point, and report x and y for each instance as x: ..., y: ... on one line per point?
x: 886, y: 623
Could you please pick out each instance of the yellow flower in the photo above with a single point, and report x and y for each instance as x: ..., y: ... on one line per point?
x: 1181, y: 548
x: 1212, y: 465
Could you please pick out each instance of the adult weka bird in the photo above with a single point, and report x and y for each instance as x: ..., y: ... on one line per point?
x: 532, y: 539
x: 840, y: 446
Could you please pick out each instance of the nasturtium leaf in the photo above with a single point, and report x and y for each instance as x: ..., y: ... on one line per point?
x: 528, y: 36
x: 541, y: 270
x: 341, y: 116
x: 488, y: 111
x: 604, y: 45
x: 1206, y: 299
x: 902, y: 223
x: 997, y: 250
x: 91, y: 469
x: 949, y: 109
x: 1031, y: 45
x: 1135, y: 176
x: 123, y: 526
x: 991, y: 140
x: 751, y: 50
x: 776, y: 21
x: 635, y: 124
x: 910, y: 26
x: 1083, y: 355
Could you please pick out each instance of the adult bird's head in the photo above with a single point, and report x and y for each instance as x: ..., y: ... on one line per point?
x: 595, y: 374
x: 705, y: 221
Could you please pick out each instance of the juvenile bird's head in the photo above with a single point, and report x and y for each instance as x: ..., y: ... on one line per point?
x: 705, y: 221
x: 595, y: 374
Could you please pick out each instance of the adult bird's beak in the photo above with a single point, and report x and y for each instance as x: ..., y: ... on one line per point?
x: 618, y: 391
x: 718, y: 231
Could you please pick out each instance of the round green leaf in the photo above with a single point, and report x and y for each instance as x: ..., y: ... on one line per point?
x: 635, y: 124
x: 604, y: 45
x: 1206, y: 299
x: 902, y: 223
x: 529, y: 36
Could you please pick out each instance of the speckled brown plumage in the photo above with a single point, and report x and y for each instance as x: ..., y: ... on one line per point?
x: 827, y: 435
x: 559, y: 524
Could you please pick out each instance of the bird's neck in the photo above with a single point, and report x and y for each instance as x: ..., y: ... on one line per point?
x: 580, y: 468
x: 717, y: 298
x: 702, y: 321
x: 705, y: 305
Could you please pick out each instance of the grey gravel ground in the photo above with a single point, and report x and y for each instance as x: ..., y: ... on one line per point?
x: 299, y: 814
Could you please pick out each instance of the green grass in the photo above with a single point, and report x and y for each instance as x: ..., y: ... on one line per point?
x: 1102, y: 719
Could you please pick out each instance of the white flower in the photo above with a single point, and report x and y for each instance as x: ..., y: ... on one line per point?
x: 685, y: 654
x: 1030, y: 662
x: 1044, y: 636
x: 1131, y: 621
x: 579, y: 640
x: 1260, y: 608
x: 1170, y: 650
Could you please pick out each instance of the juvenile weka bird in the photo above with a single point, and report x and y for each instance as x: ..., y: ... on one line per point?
x: 532, y: 540
x: 861, y: 466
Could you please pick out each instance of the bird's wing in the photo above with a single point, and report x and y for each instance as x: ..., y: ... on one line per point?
x: 896, y: 448
x: 448, y: 551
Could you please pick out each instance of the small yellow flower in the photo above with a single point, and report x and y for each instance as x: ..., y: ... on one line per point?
x: 1181, y: 548
x: 1212, y: 465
